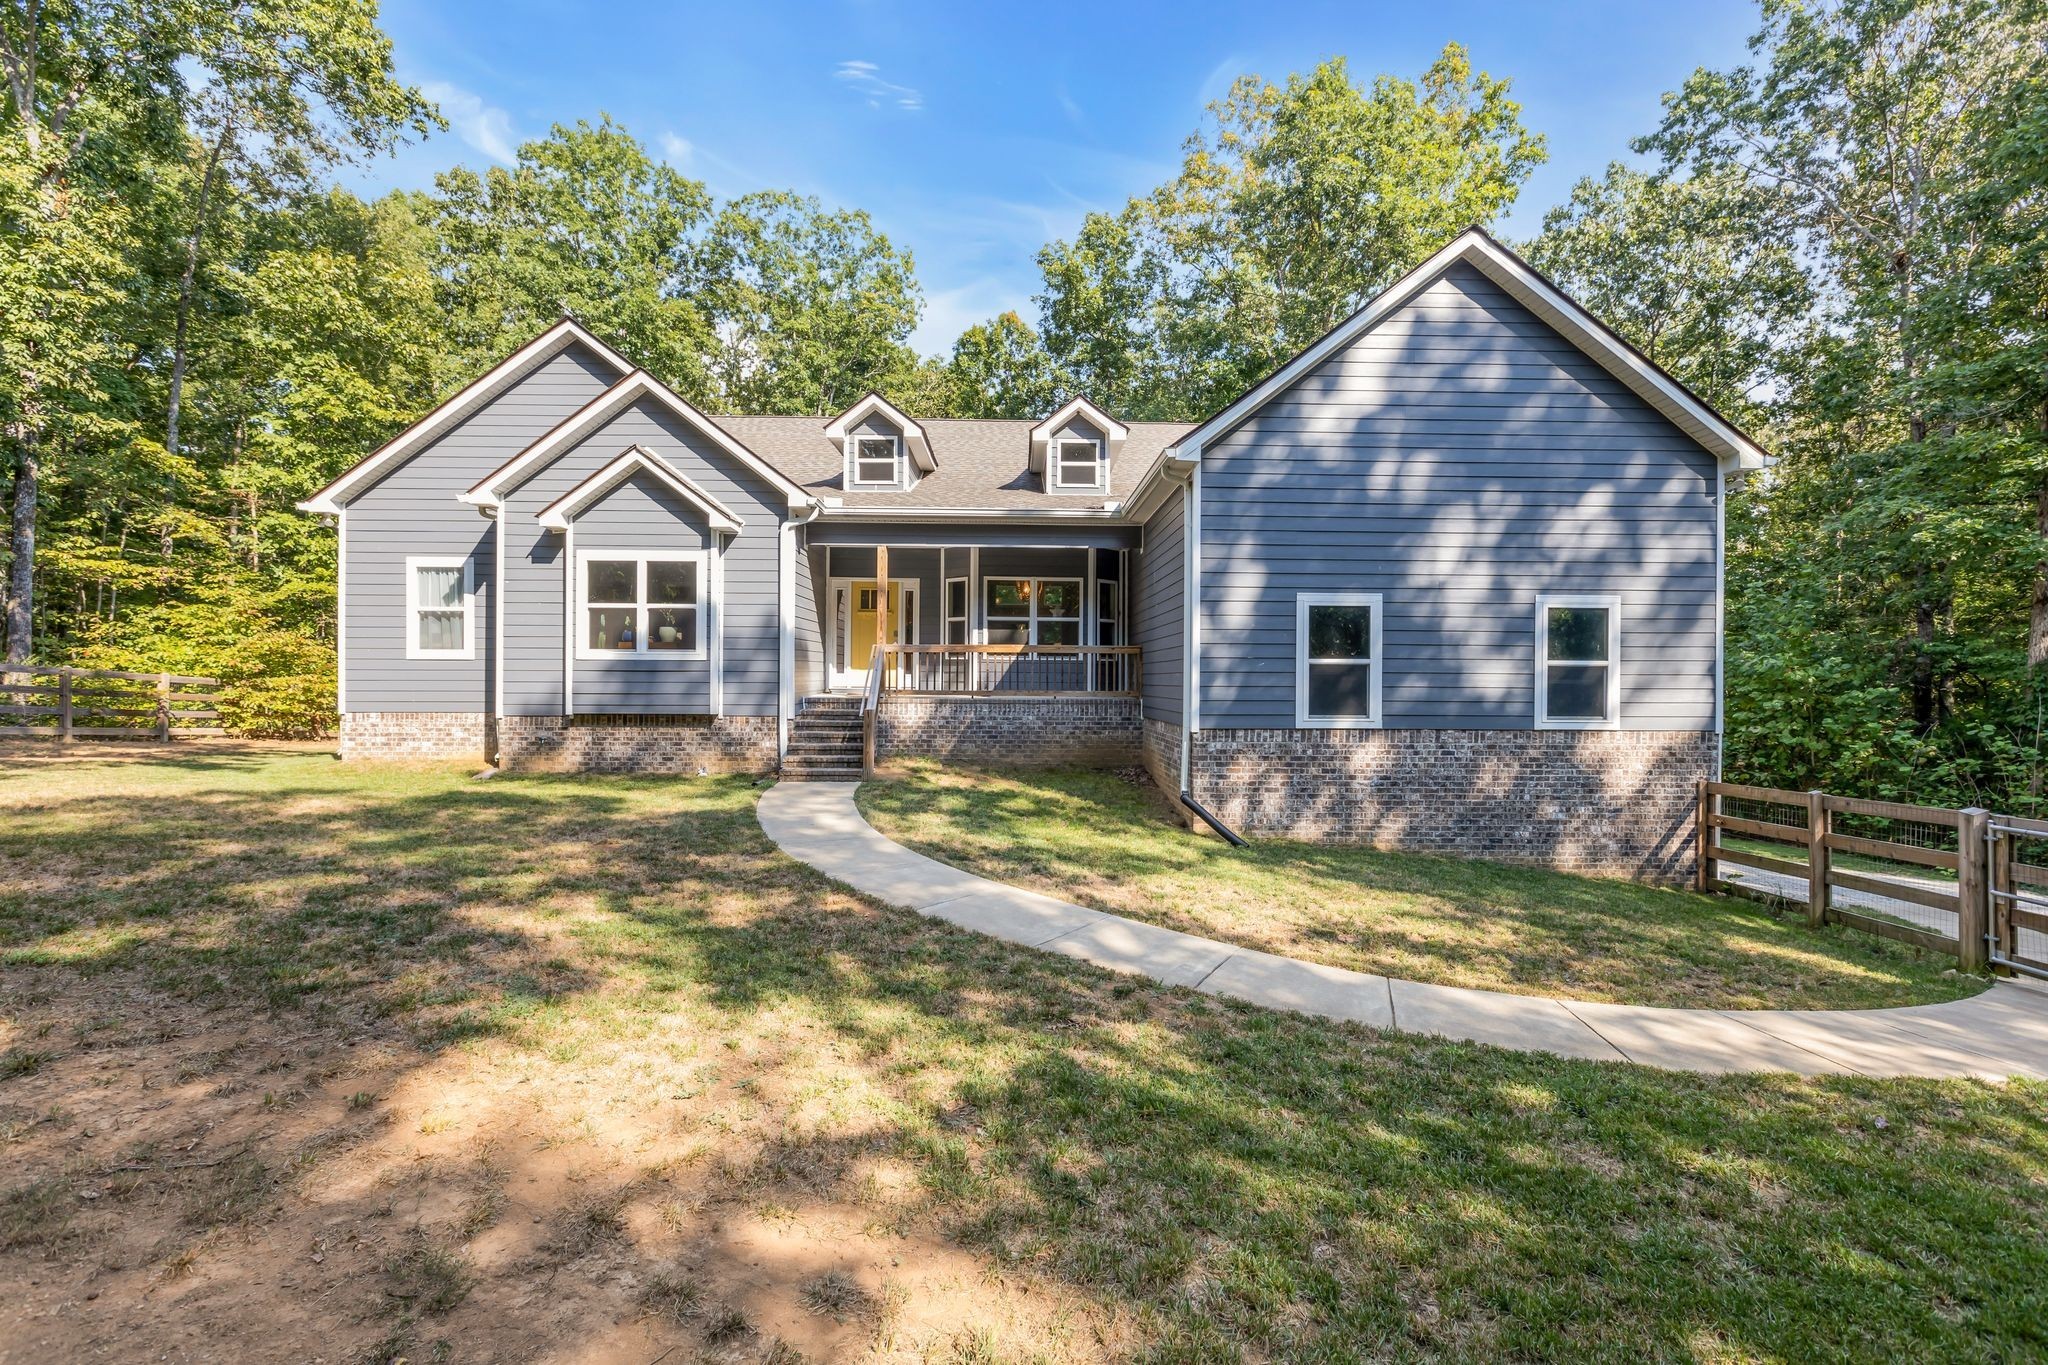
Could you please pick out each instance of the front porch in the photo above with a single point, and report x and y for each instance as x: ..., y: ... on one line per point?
x: 975, y: 648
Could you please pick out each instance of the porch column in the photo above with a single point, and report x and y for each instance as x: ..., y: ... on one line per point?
x: 882, y: 607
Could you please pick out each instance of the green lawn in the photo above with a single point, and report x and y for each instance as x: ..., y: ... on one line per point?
x: 304, y: 1059
x: 1101, y: 840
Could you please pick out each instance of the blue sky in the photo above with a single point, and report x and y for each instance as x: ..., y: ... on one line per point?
x: 976, y: 132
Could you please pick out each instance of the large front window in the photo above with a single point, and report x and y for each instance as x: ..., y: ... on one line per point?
x: 641, y: 603
x: 1032, y: 611
x: 1337, y: 660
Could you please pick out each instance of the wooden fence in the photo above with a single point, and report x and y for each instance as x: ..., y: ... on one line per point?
x: 98, y: 703
x: 1952, y: 881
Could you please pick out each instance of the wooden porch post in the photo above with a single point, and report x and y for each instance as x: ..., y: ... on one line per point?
x: 1973, y: 919
x: 882, y: 606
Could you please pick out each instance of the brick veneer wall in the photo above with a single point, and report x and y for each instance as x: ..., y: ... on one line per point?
x: 633, y: 744
x: 1612, y: 802
x: 1024, y: 731
x: 415, y: 734
x: 1161, y: 754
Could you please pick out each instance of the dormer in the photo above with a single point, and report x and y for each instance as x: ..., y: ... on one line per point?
x: 882, y: 448
x: 1073, y: 449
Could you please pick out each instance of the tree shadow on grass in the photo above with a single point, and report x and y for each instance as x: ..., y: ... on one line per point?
x: 730, y: 1046
x: 1112, y: 844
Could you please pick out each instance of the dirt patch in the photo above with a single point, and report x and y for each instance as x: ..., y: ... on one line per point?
x: 223, y: 1186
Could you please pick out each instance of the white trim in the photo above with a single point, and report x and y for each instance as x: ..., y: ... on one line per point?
x: 569, y: 620
x: 974, y: 631
x: 905, y: 617
x: 704, y: 607
x: 497, y: 620
x: 413, y: 606
x: 341, y: 610
x: 873, y: 404
x: 1187, y: 627
x: 946, y: 617
x: 637, y: 459
x: 851, y: 460
x: 1571, y: 321
x: 460, y: 405
x: 713, y: 614
x: 1607, y: 602
x: 1056, y: 464
x: 490, y: 491
x: 1194, y: 701
x: 1108, y: 512
x: 785, y: 640
x: 1720, y: 612
x: 1375, y: 660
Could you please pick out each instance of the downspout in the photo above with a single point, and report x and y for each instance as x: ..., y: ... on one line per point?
x: 497, y: 630
x: 1720, y: 618
x: 1191, y: 662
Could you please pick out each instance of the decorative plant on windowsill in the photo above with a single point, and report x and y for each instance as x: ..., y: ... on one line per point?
x: 667, y: 631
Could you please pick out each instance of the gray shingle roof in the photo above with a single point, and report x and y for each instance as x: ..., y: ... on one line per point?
x: 982, y: 463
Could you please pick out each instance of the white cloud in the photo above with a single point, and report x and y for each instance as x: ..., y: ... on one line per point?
x: 485, y: 127
x: 865, y: 79
x: 677, y: 150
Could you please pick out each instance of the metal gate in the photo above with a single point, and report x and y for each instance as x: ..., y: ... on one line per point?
x: 2019, y: 894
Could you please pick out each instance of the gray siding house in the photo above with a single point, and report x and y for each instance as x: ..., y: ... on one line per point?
x: 1449, y: 579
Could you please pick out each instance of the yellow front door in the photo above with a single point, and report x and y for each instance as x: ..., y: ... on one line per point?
x: 861, y: 631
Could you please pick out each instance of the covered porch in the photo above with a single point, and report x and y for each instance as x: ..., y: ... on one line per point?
x: 992, y: 612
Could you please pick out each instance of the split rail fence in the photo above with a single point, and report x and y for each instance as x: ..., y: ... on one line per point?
x: 98, y: 703
x: 1969, y: 883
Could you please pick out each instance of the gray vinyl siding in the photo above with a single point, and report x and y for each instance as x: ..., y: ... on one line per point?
x: 810, y: 635
x: 643, y: 515
x: 413, y: 511
x: 537, y: 576
x: 1460, y: 458
x: 1158, y: 606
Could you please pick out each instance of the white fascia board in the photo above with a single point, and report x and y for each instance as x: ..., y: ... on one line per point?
x: 915, y: 438
x: 557, y: 515
x: 1023, y: 514
x: 491, y: 491
x: 1155, y: 484
x: 460, y: 405
x: 1713, y: 432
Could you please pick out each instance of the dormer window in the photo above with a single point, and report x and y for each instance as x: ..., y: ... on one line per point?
x: 1077, y: 466
x: 874, y: 462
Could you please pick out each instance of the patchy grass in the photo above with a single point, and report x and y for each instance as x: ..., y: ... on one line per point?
x: 639, y: 1086
x: 1104, y: 840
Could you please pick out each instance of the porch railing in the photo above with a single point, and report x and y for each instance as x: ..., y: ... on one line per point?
x: 1013, y: 670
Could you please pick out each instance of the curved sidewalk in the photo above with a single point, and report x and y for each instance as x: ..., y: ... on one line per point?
x: 2001, y: 1032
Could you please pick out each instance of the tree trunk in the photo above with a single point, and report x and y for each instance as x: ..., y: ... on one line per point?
x: 21, y: 574
x: 2037, y: 625
x: 179, y: 357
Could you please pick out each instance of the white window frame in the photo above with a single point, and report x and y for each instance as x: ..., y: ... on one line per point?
x: 965, y: 620
x: 1612, y: 606
x: 413, y: 605
x: 1056, y: 462
x: 640, y: 604
x: 1114, y: 587
x: 1037, y: 590
x: 1378, y: 660
x: 853, y: 461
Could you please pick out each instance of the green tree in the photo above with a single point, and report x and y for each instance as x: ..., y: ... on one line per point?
x: 999, y: 369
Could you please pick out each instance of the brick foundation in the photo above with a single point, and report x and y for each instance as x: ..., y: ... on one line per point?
x: 1014, y: 731
x: 633, y: 744
x: 415, y: 734
x: 1161, y: 754
x: 1609, y: 802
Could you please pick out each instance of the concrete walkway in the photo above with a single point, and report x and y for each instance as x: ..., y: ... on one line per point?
x: 2002, y: 1032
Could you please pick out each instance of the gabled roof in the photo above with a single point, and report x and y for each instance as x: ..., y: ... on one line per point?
x: 490, y: 491
x: 1113, y: 431
x: 636, y: 459
x: 507, y: 372
x: 872, y: 404
x: 1527, y: 285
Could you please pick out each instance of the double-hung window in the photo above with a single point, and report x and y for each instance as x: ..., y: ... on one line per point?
x: 1077, y: 466
x: 956, y: 611
x: 874, y: 461
x: 640, y: 603
x: 1108, y: 610
x: 440, y: 602
x: 1337, y: 660
x: 1578, y: 663
x: 1032, y: 611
